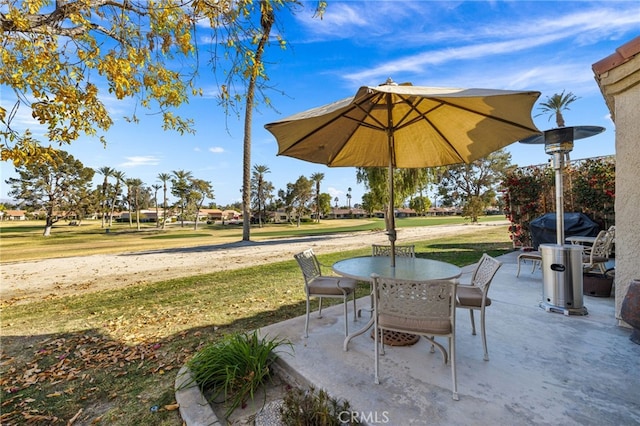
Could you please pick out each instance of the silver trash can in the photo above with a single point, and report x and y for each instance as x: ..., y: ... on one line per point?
x: 562, y: 279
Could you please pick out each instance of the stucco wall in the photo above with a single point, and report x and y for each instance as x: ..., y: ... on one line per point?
x: 627, y: 107
x: 620, y: 86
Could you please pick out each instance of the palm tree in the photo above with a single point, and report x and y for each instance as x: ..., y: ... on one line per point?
x: 555, y: 104
x: 164, y: 177
x: 554, y: 107
x: 267, y: 19
x: 336, y: 201
x: 120, y: 178
x: 258, y: 184
x: 134, y: 186
x: 180, y: 187
x: 317, y: 178
x: 156, y: 188
x: 106, y: 172
x: 129, y: 184
x: 349, y: 198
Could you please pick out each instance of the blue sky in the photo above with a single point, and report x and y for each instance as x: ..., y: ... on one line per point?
x: 515, y: 45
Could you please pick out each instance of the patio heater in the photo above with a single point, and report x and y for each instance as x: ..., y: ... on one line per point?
x: 562, y: 263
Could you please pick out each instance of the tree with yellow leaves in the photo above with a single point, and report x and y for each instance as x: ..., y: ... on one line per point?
x: 56, y: 55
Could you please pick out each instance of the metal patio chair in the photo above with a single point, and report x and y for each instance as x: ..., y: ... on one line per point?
x: 401, y: 251
x: 426, y: 308
x: 385, y: 250
x: 600, y: 252
x: 320, y: 286
x: 474, y: 296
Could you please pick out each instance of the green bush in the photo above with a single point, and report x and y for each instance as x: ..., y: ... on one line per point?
x: 235, y: 367
x: 529, y: 192
x: 314, y: 408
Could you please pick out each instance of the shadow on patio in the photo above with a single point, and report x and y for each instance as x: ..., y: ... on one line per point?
x: 544, y: 368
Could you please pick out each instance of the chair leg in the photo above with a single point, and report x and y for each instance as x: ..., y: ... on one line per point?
x: 370, y: 309
x: 345, y: 302
x: 473, y: 322
x: 306, y: 321
x: 518, y: 273
x: 484, y: 336
x: 355, y: 318
x: 320, y: 307
x: 452, y: 360
x: 442, y: 349
x: 376, y: 379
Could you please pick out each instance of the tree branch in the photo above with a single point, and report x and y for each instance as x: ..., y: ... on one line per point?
x: 51, y: 23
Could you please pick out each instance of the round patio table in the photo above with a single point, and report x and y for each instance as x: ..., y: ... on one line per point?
x: 361, y: 268
x: 580, y: 239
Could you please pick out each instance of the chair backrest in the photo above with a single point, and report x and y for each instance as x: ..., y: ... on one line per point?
x: 385, y: 250
x: 602, y: 245
x: 309, y: 264
x: 484, y: 272
x: 612, y: 233
x: 430, y: 300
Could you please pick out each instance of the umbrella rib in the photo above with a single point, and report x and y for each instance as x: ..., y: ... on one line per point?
x: 444, y: 138
x: 494, y: 118
x: 362, y: 123
x: 317, y: 129
x: 421, y: 115
x: 383, y: 126
x: 344, y: 115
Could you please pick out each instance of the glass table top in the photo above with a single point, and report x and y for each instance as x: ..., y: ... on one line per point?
x: 361, y: 268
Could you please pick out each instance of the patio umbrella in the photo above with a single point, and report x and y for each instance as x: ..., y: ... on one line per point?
x: 405, y: 126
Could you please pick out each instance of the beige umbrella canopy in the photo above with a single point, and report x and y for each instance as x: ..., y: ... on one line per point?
x: 405, y: 126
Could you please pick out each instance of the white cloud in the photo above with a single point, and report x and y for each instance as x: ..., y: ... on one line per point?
x: 334, y: 193
x: 491, y: 44
x: 140, y: 161
x: 339, y: 21
x: 531, y: 54
x: 216, y: 149
x: 375, y: 18
x: 421, y: 62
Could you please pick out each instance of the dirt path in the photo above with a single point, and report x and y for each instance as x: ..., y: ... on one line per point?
x: 25, y: 282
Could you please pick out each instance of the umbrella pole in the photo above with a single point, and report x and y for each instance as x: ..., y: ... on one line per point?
x: 392, y: 161
x: 391, y: 222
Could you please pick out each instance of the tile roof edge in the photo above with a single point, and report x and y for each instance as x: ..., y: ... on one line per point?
x: 622, y: 54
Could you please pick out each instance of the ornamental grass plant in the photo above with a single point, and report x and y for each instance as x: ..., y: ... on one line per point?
x: 235, y: 367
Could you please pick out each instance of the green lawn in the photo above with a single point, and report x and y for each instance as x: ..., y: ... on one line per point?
x: 24, y: 240
x: 110, y: 357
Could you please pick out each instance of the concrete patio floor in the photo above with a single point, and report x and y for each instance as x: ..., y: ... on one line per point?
x: 544, y: 368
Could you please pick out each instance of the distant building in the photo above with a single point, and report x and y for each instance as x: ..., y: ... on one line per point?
x: 347, y: 214
x: 145, y: 216
x: 13, y: 215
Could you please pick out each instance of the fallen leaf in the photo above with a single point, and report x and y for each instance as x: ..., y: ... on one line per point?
x: 38, y: 417
x: 171, y: 407
x: 74, y: 418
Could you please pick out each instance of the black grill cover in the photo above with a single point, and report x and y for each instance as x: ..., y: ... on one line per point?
x: 543, y: 228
